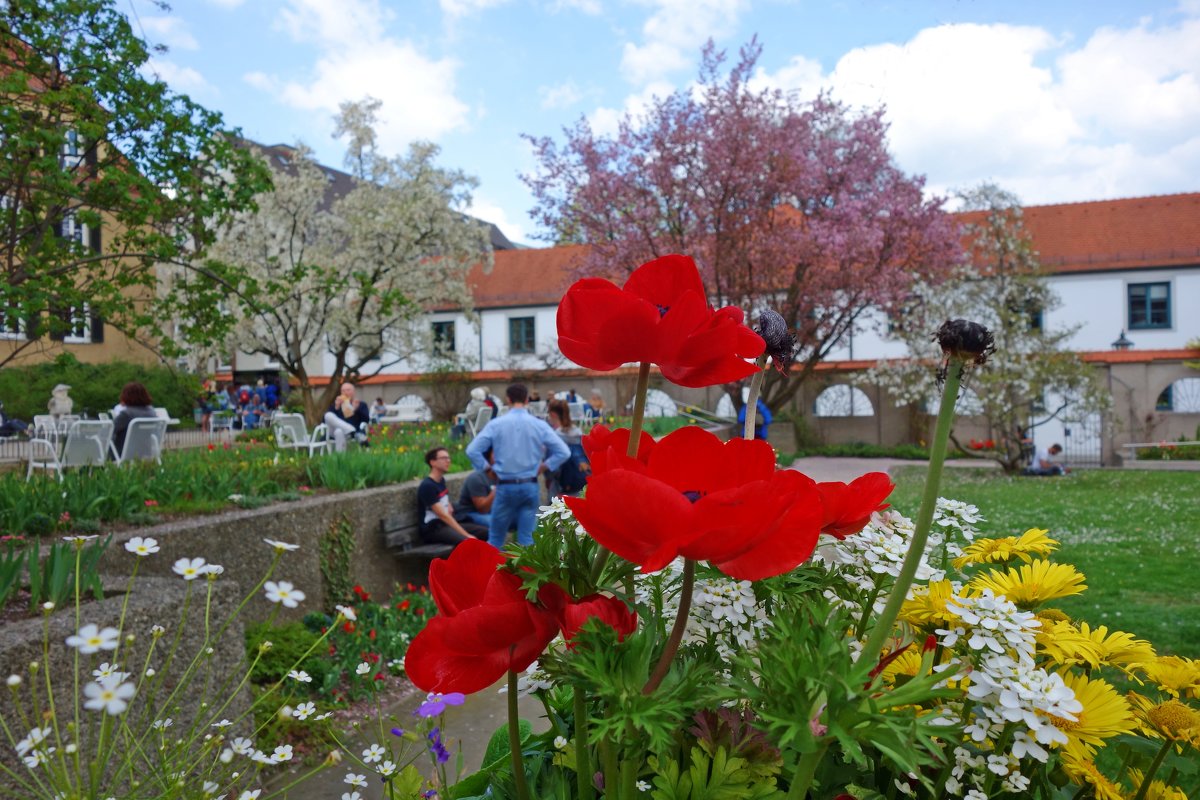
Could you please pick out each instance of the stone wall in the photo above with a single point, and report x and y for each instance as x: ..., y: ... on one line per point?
x: 234, y: 539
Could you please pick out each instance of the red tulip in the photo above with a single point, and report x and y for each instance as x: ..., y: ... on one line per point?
x: 706, y: 500
x: 848, y: 507
x: 485, y: 626
x: 660, y: 316
x: 609, y: 610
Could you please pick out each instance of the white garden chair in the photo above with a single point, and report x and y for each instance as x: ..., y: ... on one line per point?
x: 482, y: 417
x: 410, y: 408
x: 292, y: 434
x: 86, y: 445
x: 143, y: 440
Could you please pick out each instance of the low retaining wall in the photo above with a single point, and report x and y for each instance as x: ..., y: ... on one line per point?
x: 234, y: 539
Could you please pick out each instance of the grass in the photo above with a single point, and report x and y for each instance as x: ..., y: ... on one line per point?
x: 1134, y: 534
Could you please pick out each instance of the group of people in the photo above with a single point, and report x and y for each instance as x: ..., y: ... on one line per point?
x: 249, y: 404
x: 509, y: 456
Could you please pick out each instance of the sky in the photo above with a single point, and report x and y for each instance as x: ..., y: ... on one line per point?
x: 1054, y: 100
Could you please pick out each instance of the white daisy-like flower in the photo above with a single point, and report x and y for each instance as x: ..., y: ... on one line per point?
x: 189, y: 568
x: 92, y: 639
x: 304, y: 711
x: 259, y: 757
x: 642, y: 786
x: 48, y: 606
x: 320, y: 717
x: 386, y: 768
x: 363, y: 668
x: 79, y: 539
x: 373, y: 753
x: 242, y: 746
x: 109, y: 695
x: 281, y: 547
x: 211, y: 787
x: 35, y: 737
x: 222, y: 724
x: 560, y: 742
x: 140, y: 546
x: 162, y: 724
x: 213, y: 569
x: 250, y: 795
x: 300, y: 675
x: 283, y: 592
x: 355, y: 780
x: 13, y: 681
x: 157, y: 631
x: 351, y: 796
x: 347, y: 612
x: 282, y: 753
x: 38, y: 757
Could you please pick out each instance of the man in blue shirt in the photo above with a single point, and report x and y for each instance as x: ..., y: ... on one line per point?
x: 523, y: 447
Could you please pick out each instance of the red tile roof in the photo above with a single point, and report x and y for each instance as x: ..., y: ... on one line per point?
x: 1131, y: 233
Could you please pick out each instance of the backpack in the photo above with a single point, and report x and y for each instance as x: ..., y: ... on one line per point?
x: 573, y: 474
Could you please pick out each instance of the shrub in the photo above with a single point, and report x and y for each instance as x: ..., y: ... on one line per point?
x: 291, y: 644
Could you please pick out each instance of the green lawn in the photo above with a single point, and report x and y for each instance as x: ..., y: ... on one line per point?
x: 1134, y: 534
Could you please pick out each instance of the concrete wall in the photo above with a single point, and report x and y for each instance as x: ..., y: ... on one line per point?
x: 234, y: 540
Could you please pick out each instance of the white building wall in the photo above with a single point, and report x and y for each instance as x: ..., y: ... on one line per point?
x: 1098, y: 303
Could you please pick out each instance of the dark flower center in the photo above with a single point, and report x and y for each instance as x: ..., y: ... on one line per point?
x: 662, y: 310
x: 693, y: 496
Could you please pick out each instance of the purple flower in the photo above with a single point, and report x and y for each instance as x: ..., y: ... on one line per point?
x: 397, y: 731
x: 436, y: 747
x: 436, y: 703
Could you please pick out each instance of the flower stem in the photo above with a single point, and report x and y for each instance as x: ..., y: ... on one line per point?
x: 916, y: 548
x: 1154, y: 765
x: 805, y: 771
x: 752, y: 398
x: 514, y: 739
x: 583, y: 760
x: 639, y: 408
x: 681, y: 618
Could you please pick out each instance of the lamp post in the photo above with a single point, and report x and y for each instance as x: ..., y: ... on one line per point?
x: 1122, y: 342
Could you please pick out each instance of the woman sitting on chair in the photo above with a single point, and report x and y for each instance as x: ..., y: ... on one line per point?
x: 136, y: 404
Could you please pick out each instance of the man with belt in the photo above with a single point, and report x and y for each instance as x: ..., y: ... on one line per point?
x: 523, y: 447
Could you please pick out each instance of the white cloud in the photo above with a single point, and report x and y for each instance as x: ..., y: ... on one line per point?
x: 673, y: 35
x: 1117, y: 115
x: 563, y: 95
x: 606, y: 121
x: 227, y: 3
x: 591, y: 7
x: 484, y: 209
x: 461, y: 8
x: 180, y: 79
x: 170, y: 31
x: 357, y: 58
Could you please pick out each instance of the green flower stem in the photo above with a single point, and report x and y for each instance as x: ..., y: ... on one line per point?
x: 583, y: 757
x: 514, y: 739
x: 612, y: 772
x: 635, y: 437
x: 752, y: 398
x: 861, y: 627
x: 1154, y: 765
x: 805, y: 771
x: 681, y: 618
x: 916, y: 548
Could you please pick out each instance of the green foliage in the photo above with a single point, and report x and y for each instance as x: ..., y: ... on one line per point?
x: 94, y: 387
x: 66, y: 565
x: 716, y: 776
x: 861, y: 450
x: 291, y: 648
x: 102, y: 139
x: 336, y: 546
x: 12, y: 568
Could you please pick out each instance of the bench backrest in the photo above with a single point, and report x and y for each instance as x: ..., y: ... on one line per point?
x: 400, y: 532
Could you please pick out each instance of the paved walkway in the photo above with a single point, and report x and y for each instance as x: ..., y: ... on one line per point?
x: 822, y: 468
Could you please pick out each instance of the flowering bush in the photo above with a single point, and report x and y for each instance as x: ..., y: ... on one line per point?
x: 703, y: 625
x: 172, y: 724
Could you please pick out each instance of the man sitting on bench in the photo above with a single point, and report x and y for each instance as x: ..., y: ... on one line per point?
x: 1042, y: 465
x: 439, y: 522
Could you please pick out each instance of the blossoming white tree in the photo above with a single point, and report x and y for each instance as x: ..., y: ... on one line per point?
x: 312, y: 273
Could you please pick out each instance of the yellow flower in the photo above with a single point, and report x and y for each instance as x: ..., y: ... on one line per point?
x: 1169, y: 719
x: 1064, y: 644
x: 1175, y: 675
x: 1033, y: 542
x: 1030, y: 585
x: 1084, y: 770
x: 927, y: 606
x: 1158, y: 790
x: 1105, y: 714
x: 907, y: 663
x: 1118, y: 648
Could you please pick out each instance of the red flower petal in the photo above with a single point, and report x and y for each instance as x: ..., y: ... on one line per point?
x: 609, y: 610
x: 848, y: 507
x: 458, y: 582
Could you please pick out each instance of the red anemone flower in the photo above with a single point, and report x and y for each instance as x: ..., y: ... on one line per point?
x: 484, y: 626
x: 660, y: 315
x: 848, y: 507
x: 708, y: 500
x: 609, y: 610
x: 606, y: 449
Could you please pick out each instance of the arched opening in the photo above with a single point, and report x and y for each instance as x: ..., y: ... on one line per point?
x: 843, y: 400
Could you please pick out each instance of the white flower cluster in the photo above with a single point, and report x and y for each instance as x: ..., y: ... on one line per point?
x: 991, y: 623
x: 1007, y: 690
x: 557, y: 513
x: 33, y: 749
x: 533, y: 679
x: 972, y: 772
x: 957, y: 515
x: 878, y: 549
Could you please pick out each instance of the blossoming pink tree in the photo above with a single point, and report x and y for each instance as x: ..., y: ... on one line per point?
x: 792, y: 205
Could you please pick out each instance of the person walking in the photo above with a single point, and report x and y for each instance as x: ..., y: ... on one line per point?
x: 523, y: 447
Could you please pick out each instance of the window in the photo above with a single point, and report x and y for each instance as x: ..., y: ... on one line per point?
x: 1149, y: 305
x: 1166, y: 401
x: 443, y: 337
x: 81, y: 326
x: 520, y: 335
x: 10, y: 324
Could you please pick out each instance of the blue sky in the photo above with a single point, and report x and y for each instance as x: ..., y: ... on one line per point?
x: 1057, y: 100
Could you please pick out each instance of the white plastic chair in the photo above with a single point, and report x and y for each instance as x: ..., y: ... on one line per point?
x: 482, y: 417
x: 86, y: 444
x: 410, y: 408
x: 143, y: 440
x: 162, y: 413
x: 292, y: 434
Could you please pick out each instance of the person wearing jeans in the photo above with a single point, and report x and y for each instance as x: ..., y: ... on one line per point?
x: 523, y: 447
x: 347, y: 417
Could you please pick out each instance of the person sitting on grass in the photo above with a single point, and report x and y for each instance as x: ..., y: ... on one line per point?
x: 1042, y: 463
x: 439, y: 522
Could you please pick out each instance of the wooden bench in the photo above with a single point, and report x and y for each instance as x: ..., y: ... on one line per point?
x: 402, y: 538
